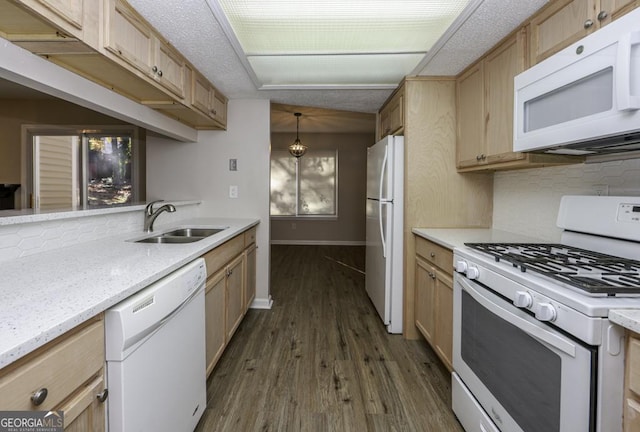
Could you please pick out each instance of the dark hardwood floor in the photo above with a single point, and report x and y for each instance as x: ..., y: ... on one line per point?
x: 321, y: 360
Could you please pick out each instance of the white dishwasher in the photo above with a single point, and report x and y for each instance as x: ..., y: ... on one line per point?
x: 155, y: 351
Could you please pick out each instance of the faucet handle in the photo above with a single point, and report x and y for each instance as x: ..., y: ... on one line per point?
x: 149, y: 209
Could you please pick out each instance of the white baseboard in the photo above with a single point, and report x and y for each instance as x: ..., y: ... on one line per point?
x: 262, y: 303
x: 318, y: 242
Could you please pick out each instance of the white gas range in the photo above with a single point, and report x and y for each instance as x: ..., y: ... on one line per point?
x: 533, y: 347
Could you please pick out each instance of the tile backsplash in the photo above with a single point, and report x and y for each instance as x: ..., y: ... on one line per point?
x: 527, y: 201
x: 24, y: 239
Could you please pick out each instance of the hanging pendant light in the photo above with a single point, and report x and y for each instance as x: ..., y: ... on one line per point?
x: 297, y: 149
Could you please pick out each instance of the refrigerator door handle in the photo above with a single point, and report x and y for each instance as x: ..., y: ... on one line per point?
x: 382, y: 172
x: 384, y: 242
x: 380, y: 202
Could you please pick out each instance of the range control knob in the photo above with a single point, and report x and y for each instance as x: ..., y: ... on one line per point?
x: 473, y: 273
x: 461, y: 266
x: 523, y: 299
x: 546, y: 312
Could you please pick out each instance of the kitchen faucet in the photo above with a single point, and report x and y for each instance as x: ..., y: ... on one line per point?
x: 150, y: 215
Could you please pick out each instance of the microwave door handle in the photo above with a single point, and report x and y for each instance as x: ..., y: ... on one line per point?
x: 531, y: 329
x: 625, y: 100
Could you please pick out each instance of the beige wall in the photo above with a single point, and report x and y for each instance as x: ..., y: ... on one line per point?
x: 15, y: 113
x: 349, y: 227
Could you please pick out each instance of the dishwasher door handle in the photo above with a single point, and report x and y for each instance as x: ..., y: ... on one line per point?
x: 140, y: 337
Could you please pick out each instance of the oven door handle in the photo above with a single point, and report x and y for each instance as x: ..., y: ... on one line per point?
x: 531, y: 329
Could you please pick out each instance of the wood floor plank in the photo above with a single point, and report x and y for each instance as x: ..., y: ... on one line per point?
x: 321, y: 360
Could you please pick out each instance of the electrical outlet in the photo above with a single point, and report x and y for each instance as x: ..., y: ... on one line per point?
x: 233, y: 191
x: 601, y: 189
x: 233, y: 164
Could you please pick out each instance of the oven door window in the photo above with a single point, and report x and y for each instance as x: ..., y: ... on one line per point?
x: 540, y: 384
x: 518, y: 370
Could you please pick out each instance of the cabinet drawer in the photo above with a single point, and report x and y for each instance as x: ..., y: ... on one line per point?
x: 61, y: 367
x: 249, y: 237
x: 436, y: 254
x: 218, y: 257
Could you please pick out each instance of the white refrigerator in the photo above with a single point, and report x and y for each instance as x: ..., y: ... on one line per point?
x: 383, y: 280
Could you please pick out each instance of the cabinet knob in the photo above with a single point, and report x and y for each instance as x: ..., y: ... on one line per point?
x: 154, y: 69
x: 588, y: 23
x: 103, y: 395
x: 602, y: 15
x: 159, y: 73
x: 478, y: 157
x: 483, y: 156
x: 433, y: 254
x: 38, y: 397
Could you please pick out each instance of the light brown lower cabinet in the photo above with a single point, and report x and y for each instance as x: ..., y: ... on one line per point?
x: 234, y: 287
x: 434, y: 297
x: 215, y: 334
x: 65, y: 374
x: 229, y: 290
x: 632, y: 384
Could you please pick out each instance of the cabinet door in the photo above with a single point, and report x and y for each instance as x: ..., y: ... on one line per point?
x: 250, y: 276
x: 202, y: 94
x: 470, y: 107
x: 169, y: 69
x: 614, y: 9
x: 219, y: 107
x: 559, y: 25
x: 500, y: 68
x: 128, y: 37
x: 444, y: 317
x: 234, y: 292
x: 215, y: 334
x: 64, y: 13
x: 424, y: 299
x: 392, y: 114
x: 85, y: 412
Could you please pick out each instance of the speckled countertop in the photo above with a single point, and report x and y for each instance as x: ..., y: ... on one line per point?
x: 46, y: 294
x: 627, y: 318
x: 456, y: 237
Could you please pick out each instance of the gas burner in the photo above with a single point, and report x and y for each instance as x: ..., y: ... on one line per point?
x: 593, y: 272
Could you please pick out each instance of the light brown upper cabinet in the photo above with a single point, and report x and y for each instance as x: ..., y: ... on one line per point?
x: 391, y: 117
x: 485, y: 111
x: 111, y: 44
x: 207, y: 99
x: 50, y: 25
x: 132, y: 39
x: 563, y: 22
x: 470, y: 114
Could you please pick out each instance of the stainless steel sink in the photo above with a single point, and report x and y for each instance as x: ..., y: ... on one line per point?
x: 194, y: 232
x: 181, y: 235
x: 168, y: 239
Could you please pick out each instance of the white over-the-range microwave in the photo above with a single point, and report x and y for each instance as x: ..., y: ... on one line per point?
x: 585, y: 99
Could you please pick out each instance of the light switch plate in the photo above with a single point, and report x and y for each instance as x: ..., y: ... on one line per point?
x: 233, y: 191
x: 233, y: 164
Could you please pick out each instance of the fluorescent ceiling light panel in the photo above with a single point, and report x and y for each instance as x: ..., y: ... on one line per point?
x: 299, y: 42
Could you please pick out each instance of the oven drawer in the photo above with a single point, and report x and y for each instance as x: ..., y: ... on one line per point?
x: 468, y: 410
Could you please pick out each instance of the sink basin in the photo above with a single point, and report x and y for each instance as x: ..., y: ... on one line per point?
x: 167, y: 239
x: 181, y: 235
x: 194, y: 232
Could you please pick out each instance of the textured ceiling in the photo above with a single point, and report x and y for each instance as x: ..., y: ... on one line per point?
x: 191, y: 27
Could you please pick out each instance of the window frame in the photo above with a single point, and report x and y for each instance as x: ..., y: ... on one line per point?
x: 309, y: 217
x: 31, y: 130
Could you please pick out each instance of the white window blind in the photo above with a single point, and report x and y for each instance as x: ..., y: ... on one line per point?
x: 304, y: 187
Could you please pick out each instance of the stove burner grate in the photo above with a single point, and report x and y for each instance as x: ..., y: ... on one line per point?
x: 593, y: 272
